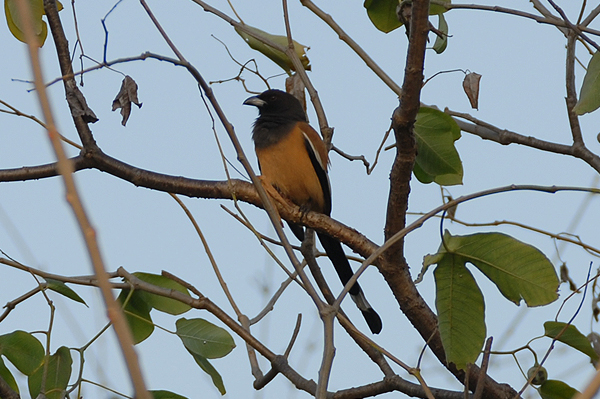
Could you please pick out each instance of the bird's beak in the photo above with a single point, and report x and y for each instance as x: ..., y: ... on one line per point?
x: 254, y: 100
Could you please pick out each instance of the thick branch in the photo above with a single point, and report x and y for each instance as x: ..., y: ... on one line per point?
x: 393, y: 265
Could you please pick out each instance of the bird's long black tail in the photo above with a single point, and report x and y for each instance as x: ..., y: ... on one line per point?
x: 336, y: 254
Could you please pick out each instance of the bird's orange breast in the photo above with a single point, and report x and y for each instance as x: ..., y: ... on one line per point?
x: 287, y: 166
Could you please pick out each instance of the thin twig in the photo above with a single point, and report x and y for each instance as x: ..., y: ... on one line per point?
x: 547, y: 17
x: 16, y: 112
x: 385, y: 78
x: 211, y: 258
x: 573, y: 27
x: 11, y: 305
x: 352, y: 157
x: 489, y: 132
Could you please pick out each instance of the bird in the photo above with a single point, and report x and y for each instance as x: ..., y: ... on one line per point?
x: 293, y: 159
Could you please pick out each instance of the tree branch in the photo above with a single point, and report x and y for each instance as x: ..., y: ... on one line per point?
x: 489, y: 132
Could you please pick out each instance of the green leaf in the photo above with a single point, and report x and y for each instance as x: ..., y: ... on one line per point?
x: 520, y: 271
x: 23, y: 350
x: 461, y: 311
x: 438, y: 7
x: 57, y: 377
x: 382, y: 14
x: 7, y: 376
x: 589, y: 98
x: 165, y: 395
x: 421, y: 175
x: 437, y: 159
x: 162, y: 303
x: 210, y: 370
x: 276, y: 56
x: 137, y: 313
x: 553, y: 389
x: 441, y: 42
x: 204, y: 338
x: 570, y: 336
x: 63, y: 289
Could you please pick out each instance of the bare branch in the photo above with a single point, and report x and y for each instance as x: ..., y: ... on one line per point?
x: 353, y: 45
x: 546, y: 18
x: 489, y: 132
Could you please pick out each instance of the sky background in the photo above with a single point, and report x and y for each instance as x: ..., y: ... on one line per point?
x: 522, y: 89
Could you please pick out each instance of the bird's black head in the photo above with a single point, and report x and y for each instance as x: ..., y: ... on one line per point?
x: 277, y: 104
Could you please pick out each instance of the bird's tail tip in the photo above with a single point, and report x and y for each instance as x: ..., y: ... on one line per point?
x: 373, y: 320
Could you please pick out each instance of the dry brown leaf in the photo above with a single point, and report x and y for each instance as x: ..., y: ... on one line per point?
x: 471, y: 86
x: 78, y: 104
x: 127, y: 95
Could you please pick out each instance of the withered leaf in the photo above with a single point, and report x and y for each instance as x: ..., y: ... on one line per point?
x: 78, y: 104
x: 471, y: 86
x: 127, y: 95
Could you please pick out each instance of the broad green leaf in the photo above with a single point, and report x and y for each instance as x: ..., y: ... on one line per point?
x: 382, y: 13
x: 276, y: 56
x: 438, y: 6
x: 554, y: 389
x: 570, y: 336
x: 437, y: 159
x: 7, y: 376
x: 204, y: 338
x: 421, y: 175
x: 57, y: 377
x: 165, y: 395
x: 210, y: 370
x: 137, y: 313
x: 162, y: 303
x: 461, y: 311
x: 520, y: 271
x: 589, y: 97
x: 63, y: 289
x: 441, y: 42
x: 23, y: 350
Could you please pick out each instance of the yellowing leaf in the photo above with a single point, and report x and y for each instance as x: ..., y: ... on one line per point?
x: 276, y: 56
x: 15, y: 23
x: 589, y: 98
x: 13, y: 19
